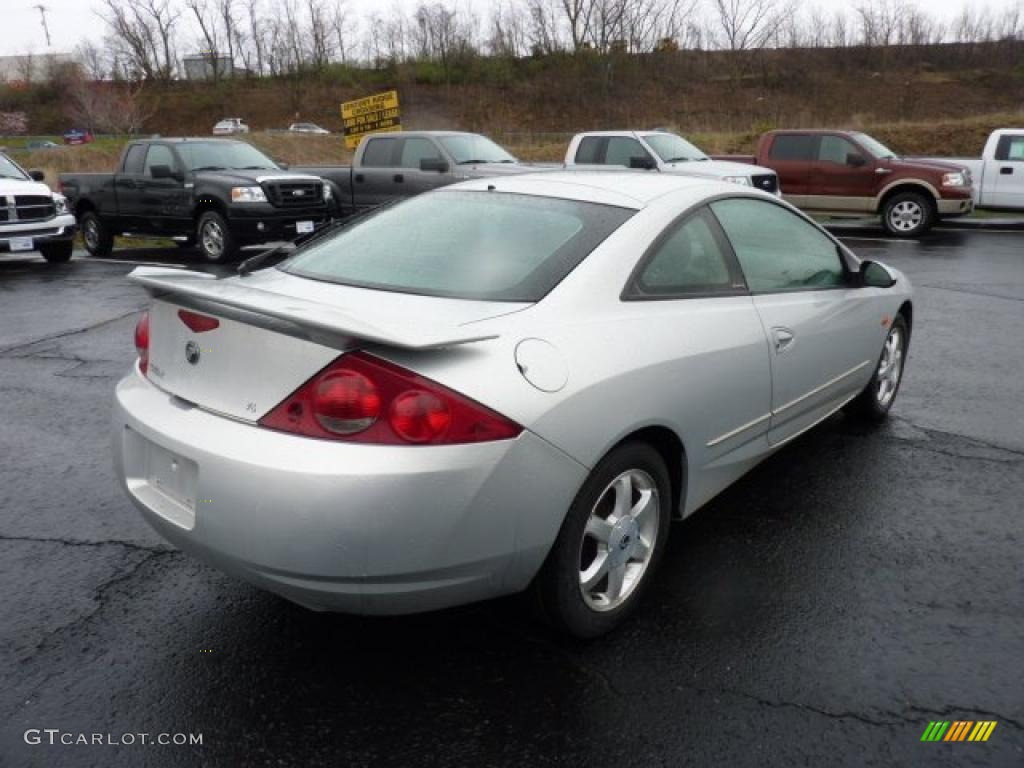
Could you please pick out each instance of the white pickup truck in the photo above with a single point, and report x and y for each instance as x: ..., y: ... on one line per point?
x: 31, y: 216
x: 998, y: 174
x: 663, y: 152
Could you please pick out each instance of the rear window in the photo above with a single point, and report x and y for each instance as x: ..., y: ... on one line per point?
x: 790, y: 147
x: 490, y: 246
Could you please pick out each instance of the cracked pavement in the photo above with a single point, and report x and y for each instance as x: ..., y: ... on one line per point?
x: 855, y: 586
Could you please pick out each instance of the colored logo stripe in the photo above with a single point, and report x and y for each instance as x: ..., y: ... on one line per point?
x: 958, y: 730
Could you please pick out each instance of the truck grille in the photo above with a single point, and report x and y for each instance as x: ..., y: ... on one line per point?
x: 27, y: 208
x: 769, y: 182
x: 295, y: 194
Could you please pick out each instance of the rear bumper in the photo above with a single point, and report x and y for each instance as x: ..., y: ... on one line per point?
x: 60, y: 229
x: 261, y: 223
x: 336, y: 526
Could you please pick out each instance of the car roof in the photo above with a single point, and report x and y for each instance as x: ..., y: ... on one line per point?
x: 625, y: 188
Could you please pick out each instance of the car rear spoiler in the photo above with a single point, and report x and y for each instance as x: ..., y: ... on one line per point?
x: 301, y: 318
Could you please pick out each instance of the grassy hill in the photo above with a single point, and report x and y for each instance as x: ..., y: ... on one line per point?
x: 941, y: 99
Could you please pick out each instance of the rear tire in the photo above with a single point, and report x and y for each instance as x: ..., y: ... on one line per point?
x: 908, y: 214
x: 98, y: 239
x: 873, y: 403
x: 609, y: 545
x: 57, y: 253
x: 214, y: 238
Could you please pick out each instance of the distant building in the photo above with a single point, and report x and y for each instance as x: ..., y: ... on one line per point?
x: 201, y: 66
x: 31, y: 68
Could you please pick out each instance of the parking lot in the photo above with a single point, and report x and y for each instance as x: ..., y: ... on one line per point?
x: 854, y: 587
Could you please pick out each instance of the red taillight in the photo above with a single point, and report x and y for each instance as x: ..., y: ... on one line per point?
x: 360, y: 398
x: 142, y: 342
x: 345, y: 402
x: 198, y: 323
x: 419, y: 417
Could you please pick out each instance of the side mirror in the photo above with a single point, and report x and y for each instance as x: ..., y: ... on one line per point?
x: 433, y: 164
x: 37, y: 175
x: 282, y: 165
x: 875, y: 275
x: 856, y: 160
x: 642, y: 162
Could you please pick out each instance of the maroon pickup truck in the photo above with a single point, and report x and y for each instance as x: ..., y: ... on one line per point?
x: 849, y: 173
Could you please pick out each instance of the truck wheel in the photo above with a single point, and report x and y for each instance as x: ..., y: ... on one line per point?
x: 214, y: 238
x: 908, y: 214
x: 55, y: 253
x: 98, y: 239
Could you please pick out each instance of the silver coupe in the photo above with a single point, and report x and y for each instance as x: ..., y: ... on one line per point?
x: 504, y: 384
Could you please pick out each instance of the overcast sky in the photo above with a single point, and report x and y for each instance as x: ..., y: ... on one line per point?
x: 72, y: 21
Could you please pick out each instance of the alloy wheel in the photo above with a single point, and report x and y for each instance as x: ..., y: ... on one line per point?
x: 906, y: 216
x: 91, y: 233
x: 618, y: 541
x: 890, y: 367
x: 212, y: 239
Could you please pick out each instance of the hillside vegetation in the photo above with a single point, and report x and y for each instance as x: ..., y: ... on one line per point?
x: 929, y: 99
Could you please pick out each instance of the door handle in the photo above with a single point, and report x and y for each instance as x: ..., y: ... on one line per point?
x: 883, y: 171
x: 1006, y: 171
x: 399, y: 178
x: 782, y: 339
x: 359, y: 178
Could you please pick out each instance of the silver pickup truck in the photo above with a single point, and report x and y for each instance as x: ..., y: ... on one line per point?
x: 399, y: 164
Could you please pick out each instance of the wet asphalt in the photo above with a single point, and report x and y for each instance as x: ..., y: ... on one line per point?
x: 854, y: 587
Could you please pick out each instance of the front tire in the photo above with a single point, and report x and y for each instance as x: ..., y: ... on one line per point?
x: 98, y: 239
x: 214, y: 238
x: 908, y: 214
x: 57, y: 253
x: 609, y: 545
x: 874, y: 402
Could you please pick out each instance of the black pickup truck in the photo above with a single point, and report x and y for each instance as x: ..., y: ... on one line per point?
x: 391, y: 166
x: 215, y: 194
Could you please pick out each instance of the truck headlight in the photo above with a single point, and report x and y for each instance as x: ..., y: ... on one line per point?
x: 327, y: 192
x: 743, y: 180
x: 248, y: 195
x: 957, y: 179
x: 60, y: 203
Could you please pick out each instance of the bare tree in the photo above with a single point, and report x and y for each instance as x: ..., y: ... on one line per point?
x: 143, y: 34
x: 746, y: 24
x: 207, y: 17
x: 93, y: 59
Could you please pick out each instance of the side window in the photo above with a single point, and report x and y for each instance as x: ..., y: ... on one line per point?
x: 621, y: 149
x: 589, y: 151
x: 416, y: 149
x: 378, y: 153
x: 159, y: 154
x: 835, y: 149
x: 1010, y: 148
x: 778, y: 250
x: 133, y: 160
x: 793, y: 147
x: 688, y: 260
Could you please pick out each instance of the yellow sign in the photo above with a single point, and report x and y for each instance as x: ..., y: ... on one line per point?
x: 374, y: 114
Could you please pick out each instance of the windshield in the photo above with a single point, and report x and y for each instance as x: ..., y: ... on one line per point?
x: 673, y: 149
x: 874, y: 147
x: 490, y: 246
x: 470, y: 148
x: 8, y: 169
x: 223, y: 155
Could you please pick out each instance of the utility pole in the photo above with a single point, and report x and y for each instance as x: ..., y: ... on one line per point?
x: 46, y: 28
